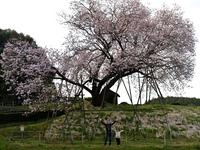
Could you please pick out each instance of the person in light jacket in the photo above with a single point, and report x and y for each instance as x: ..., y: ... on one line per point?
x: 118, y: 136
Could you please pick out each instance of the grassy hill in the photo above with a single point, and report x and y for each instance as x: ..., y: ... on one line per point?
x: 183, y: 101
x: 145, y: 129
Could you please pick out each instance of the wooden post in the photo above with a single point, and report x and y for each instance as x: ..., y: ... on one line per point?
x: 63, y: 135
x: 89, y: 134
x: 22, y: 136
x: 165, y: 142
x: 82, y: 138
x: 11, y: 133
x: 72, y: 138
x: 126, y: 137
x: 39, y: 137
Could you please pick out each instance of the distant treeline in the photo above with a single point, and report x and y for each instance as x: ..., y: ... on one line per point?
x: 184, y: 101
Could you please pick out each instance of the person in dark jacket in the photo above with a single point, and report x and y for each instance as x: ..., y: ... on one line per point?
x: 108, y: 126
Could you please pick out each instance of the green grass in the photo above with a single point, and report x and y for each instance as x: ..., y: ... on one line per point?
x: 148, y: 144
x: 136, y: 142
x: 133, y: 141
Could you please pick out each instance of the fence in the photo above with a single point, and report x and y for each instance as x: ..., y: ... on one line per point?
x: 9, y: 104
x: 30, y: 136
x: 25, y: 135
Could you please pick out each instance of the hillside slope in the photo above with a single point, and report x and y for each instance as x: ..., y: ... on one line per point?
x: 147, y: 119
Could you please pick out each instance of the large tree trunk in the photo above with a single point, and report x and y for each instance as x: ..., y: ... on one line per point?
x: 97, y: 100
x: 96, y: 94
x: 99, y: 94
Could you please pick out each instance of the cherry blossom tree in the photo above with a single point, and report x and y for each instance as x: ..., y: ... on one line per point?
x: 5, y: 35
x: 28, y: 71
x: 110, y: 39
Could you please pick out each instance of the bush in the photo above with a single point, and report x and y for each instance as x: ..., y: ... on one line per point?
x: 124, y: 103
x: 89, y: 99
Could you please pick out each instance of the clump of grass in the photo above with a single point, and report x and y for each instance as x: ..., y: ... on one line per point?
x: 3, y: 144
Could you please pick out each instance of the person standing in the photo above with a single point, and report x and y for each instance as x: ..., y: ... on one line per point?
x: 108, y: 126
x: 118, y: 136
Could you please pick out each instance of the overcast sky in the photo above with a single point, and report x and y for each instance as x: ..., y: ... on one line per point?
x: 39, y: 19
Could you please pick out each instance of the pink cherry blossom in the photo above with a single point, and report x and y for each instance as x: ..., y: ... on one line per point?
x: 108, y: 40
